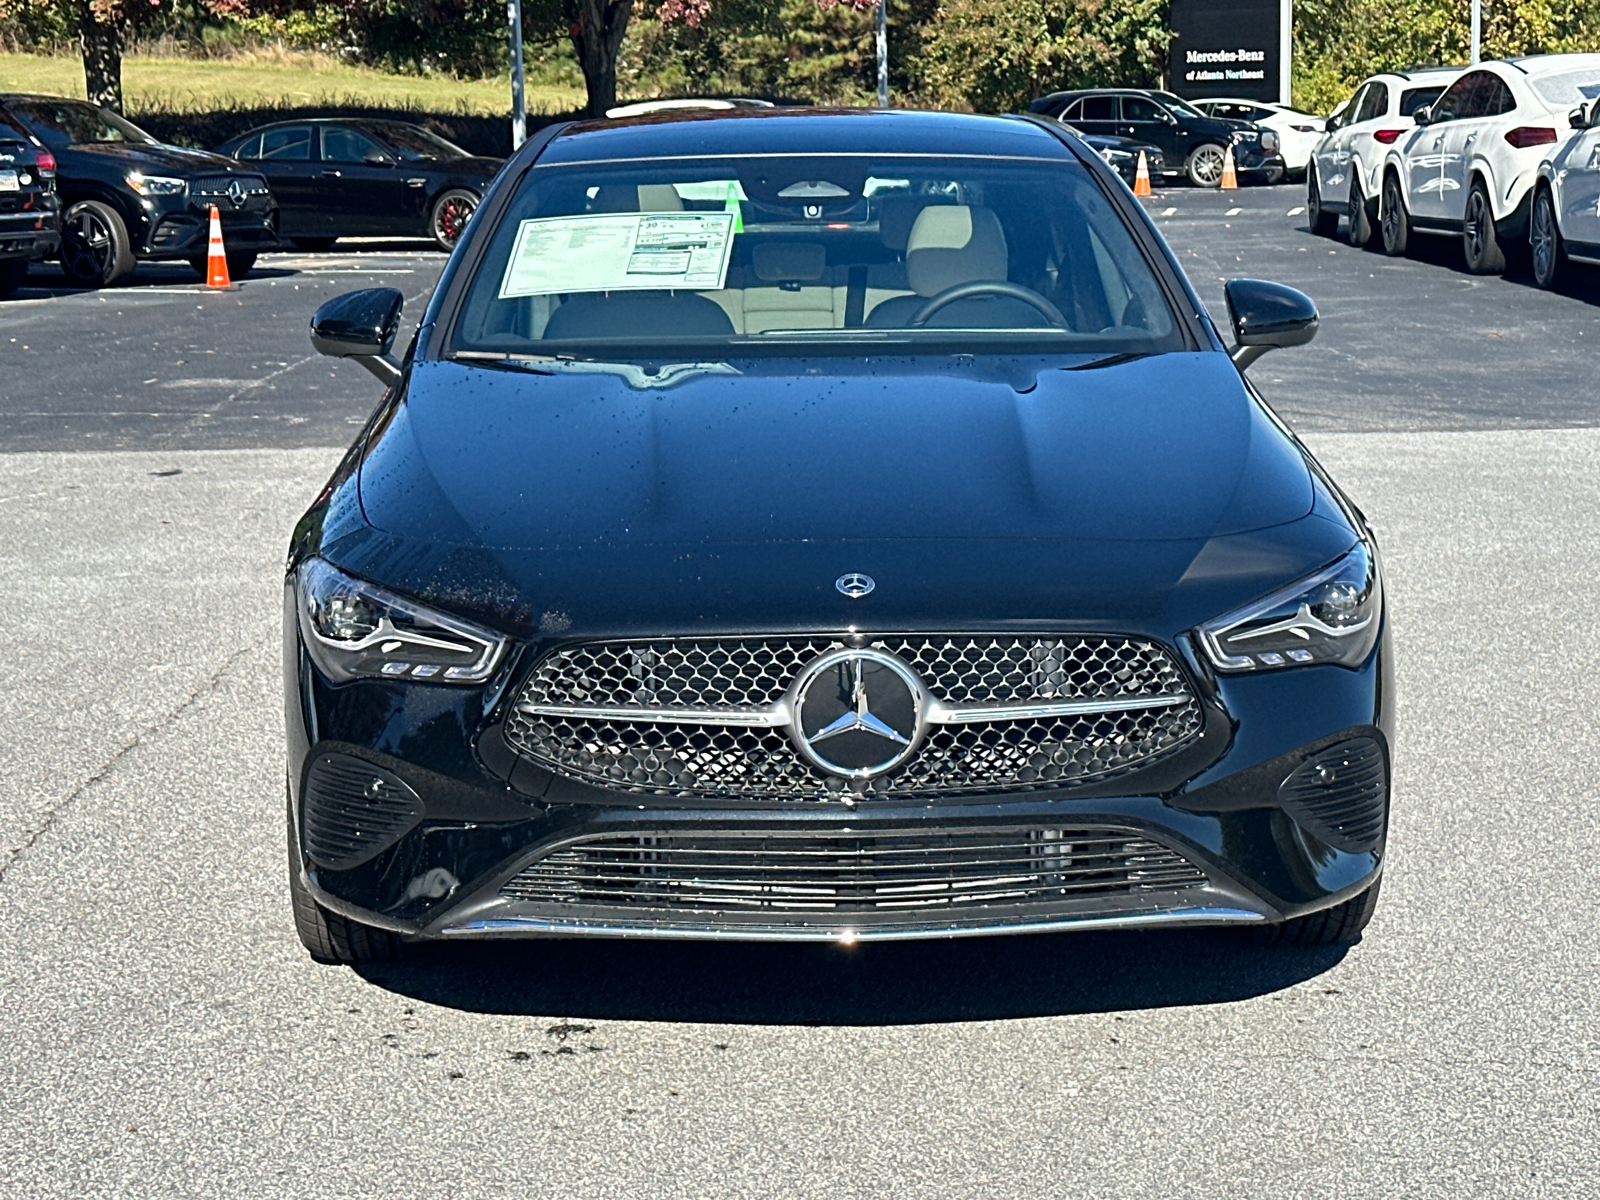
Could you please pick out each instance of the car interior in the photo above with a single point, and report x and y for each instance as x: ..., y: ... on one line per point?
x: 843, y: 247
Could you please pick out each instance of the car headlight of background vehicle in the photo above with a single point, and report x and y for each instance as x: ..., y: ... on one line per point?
x: 156, y: 185
x: 1330, y: 617
x: 357, y: 630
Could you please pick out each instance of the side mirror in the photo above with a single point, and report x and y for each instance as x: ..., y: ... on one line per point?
x: 1423, y: 115
x: 377, y: 158
x: 361, y: 325
x: 1578, y: 118
x: 1267, y: 316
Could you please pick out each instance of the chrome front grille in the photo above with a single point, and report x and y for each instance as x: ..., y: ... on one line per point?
x: 252, y: 192
x: 709, y: 717
x: 848, y: 875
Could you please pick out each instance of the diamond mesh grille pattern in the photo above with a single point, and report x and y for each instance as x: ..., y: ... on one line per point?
x: 721, y: 761
x: 841, y: 874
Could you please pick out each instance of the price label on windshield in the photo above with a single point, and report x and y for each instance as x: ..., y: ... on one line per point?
x: 619, y: 252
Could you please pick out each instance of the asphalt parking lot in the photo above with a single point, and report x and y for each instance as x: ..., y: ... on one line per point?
x: 166, y: 1035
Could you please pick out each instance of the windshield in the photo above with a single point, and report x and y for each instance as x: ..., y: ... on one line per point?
x: 1178, y: 104
x: 831, y: 253
x: 414, y: 142
x: 65, y: 122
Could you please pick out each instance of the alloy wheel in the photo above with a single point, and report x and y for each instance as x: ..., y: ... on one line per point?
x: 1475, y: 235
x: 1542, y: 240
x: 86, y: 245
x: 1205, y: 166
x: 1395, y: 226
x: 450, y: 218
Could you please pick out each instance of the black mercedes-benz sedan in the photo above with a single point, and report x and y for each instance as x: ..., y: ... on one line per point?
x: 127, y: 197
x: 833, y: 525
x: 357, y: 177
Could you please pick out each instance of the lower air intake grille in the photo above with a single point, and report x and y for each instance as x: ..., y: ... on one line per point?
x: 1339, y: 795
x: 353, y: 810
x: 844, y: 873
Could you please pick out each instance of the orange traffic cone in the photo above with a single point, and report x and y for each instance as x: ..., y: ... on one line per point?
x: 216, y: 259
x: 1230, y: 178
x: 1141, y: 177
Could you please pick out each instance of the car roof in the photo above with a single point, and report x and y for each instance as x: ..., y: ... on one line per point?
x: 778, y: 132
x: 1551, y: 64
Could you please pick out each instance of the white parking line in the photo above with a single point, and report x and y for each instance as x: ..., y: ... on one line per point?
x: 1296, y: 210
x: 1167, y: 212
x: 1233, y: 212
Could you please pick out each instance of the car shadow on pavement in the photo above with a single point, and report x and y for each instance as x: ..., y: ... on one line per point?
x: 904, y: 983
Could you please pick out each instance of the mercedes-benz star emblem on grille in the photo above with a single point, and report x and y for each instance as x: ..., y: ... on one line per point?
x: 236, y: 193
x: 857, y: 713
x: 855, y: 585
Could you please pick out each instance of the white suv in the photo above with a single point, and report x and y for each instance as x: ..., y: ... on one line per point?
x: 1469, y: 166
x: 1342, y: 177
x: 1565, y: 221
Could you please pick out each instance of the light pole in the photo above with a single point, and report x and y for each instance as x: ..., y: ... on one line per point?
x: 1285, y: 50
x: 1477, y: 31
x: 519, y: 107
x: 883, y: 53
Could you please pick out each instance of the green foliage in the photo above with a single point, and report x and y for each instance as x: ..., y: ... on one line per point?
x: 1338, y: 43
x: 997, y: 55
x: 792, y: 49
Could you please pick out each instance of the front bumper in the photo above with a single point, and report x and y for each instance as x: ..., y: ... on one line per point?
x: 180, y: 229
x: 486, y: 845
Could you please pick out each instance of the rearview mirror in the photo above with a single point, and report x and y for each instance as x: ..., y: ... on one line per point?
x: 361, y: 325
x: 1267, y: 316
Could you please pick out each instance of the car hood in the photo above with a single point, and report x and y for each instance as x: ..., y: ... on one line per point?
x: 1040, y: 494
x: 159, y: 157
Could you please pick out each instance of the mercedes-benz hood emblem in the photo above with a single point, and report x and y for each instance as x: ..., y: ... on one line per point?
x: 855, y: 585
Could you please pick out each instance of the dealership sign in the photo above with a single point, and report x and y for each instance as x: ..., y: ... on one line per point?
x: 1230, y: 48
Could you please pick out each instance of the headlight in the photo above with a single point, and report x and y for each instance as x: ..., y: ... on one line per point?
x: 356, y: 630
x: 1329, y: 617
x: 156, y: 185
x: 1115, y: 156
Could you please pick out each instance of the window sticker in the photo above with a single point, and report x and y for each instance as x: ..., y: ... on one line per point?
x: 619, y: 252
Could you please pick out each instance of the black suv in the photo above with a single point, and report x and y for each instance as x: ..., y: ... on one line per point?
x: 30, y: 212
x: 128, y: 197
x: 1192, y: 143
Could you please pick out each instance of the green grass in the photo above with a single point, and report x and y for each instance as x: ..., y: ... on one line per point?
x: 277, y: 78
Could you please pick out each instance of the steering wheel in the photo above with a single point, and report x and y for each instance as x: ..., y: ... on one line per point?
x: 964, y: 291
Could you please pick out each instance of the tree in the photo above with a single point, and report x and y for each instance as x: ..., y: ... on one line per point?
x: 997, y: 55
x: 102, y: 29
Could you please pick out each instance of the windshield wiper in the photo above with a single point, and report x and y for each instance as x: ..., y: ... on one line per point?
x: 1110, y: 360
x: 635, y: 376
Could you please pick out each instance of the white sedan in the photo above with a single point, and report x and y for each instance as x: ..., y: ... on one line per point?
x: 1297, y: 132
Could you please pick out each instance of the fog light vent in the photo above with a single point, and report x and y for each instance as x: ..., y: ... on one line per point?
x: 1340, y: 795
x: 353, y: 810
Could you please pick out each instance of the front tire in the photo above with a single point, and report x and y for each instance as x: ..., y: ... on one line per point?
x: 1323, y: 222
x: 1205, y: 165
x: 95, y: 248
x: 1546, y: 252
x: 1395, y: 220
x: 1480, y: 243
x: 450, y: 215
x: 1340, y: 925
x: 328, y: 936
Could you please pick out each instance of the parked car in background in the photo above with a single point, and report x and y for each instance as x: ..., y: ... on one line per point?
x: 1468, y: 168
x: 1191, y: 143
x: 30, y: 210
x: 365, y: 178
x: 127, y: 197
x: 1297, y: 132
x: 1343, y: 176
x: 1122, y: 154
x: 1564, y: 222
